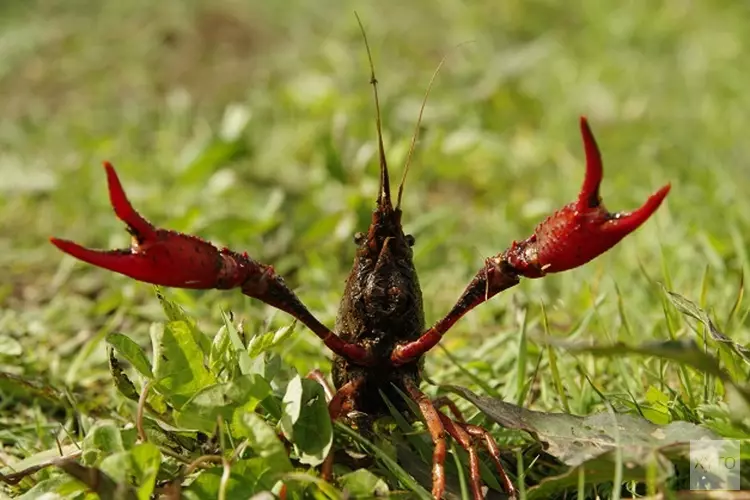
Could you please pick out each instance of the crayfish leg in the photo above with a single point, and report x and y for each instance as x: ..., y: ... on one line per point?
x: 437, y: 433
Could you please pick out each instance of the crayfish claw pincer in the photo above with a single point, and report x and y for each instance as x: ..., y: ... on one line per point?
x: 581, y: 230
x: 138, y: 226
x: 156, y: 256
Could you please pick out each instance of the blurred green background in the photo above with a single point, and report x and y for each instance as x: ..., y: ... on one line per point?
x: 251, y: 124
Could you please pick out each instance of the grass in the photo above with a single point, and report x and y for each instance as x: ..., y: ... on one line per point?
x: 252, y: 124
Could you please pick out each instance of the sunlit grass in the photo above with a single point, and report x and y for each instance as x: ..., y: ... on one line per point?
x: 252, y: 124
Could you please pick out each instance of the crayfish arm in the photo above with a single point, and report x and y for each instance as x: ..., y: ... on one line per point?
x: 172, y: 259
x: 496, y: 275
x: 574, y: 235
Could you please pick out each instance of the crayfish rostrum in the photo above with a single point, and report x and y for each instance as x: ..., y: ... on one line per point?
x: 380, y: 336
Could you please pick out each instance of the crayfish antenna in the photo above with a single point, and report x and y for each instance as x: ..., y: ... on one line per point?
x: 415, y: 136
x: 384, y: 195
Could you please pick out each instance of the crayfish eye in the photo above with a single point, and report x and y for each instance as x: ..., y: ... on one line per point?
x: 359, y: 238
x: 409, y: 240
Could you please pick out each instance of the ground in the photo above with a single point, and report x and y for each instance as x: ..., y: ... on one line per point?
x: 252, y: 125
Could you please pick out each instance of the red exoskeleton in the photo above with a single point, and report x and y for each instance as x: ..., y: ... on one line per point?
x: 379, y: 338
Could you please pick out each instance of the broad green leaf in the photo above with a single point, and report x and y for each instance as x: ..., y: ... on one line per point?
x: 363, y: 484
x: 574, y: 440
x: 58, y: 487
x: 146, y: 460
x: 157, y: 403
x: 132, y: 353
x: 165, y: 436
x: 103, y: 439
x: 247, y: 478
x: 99, y: 482
x: 217, y: 358
x: 305, y: 420
x: 140, y: 465
x: 39, y: 458
x: 658, y: 409
x: 154, y: 401
x: 291, y: 406
x: 324, y: 490
x: 174, y: 312
x: 179, y: 367
x: 245, y: 361
x: 239, y: 395
x: 262, y: 439
x: 263, y: 342
x: 122, y: 381
x: 267, y: 365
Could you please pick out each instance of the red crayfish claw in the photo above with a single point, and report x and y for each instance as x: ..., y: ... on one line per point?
x: 173, y: 259
x: 581, y: 230
x: 156, y: 256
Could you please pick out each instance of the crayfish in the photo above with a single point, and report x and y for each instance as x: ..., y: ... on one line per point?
x: 380, y: 336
